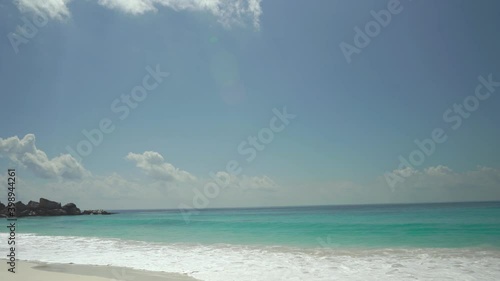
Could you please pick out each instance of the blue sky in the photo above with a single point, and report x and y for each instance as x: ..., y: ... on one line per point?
x: 230, y: 65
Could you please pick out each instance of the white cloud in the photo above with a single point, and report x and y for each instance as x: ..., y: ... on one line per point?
x: 406, y: 172
x: 227, y: 12
x: 438, y: 171
x: 154, y: 165
x: 260, y: 183
x: 25, y: 153
x: 133, y: 7
x: 55, y: 9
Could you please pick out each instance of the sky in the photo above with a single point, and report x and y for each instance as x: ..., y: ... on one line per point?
x: 126, y: 104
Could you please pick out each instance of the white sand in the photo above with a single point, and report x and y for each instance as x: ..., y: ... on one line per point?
x: 31, y: 271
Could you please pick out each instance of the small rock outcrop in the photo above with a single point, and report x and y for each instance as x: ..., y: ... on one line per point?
x: 71, y: 209
x: 69, y: 206
x: 96, y: 212
x: 47, y: 208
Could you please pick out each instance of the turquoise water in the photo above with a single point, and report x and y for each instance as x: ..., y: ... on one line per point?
x: 458, y: 241
x: 456, y: 225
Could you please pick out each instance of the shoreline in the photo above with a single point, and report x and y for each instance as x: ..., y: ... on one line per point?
x: 43, y: 271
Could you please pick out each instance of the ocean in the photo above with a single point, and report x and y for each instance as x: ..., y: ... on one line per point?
x: 445, y: 241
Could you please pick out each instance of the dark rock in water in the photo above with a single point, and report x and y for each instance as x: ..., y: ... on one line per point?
x: 23, y: 213
x: 39, y: 212
x: 71, y: 209
x: 56, y: 212
x: 33, y: 205
x: 96, y: 212
x: 47, y: 204
x: 20, y: 206
x: 69, y: 206
x: 74, y: 212
x: 47, y: 208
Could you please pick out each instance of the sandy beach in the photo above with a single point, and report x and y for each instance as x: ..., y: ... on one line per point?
x: 35, y: 271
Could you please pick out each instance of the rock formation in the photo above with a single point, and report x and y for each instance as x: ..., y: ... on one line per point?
x: 46, y: 207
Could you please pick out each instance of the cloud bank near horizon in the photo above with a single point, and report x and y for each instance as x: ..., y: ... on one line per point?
x: 69, y: 178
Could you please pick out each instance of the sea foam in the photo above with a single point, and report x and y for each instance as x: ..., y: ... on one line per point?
x: 221, y: 262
